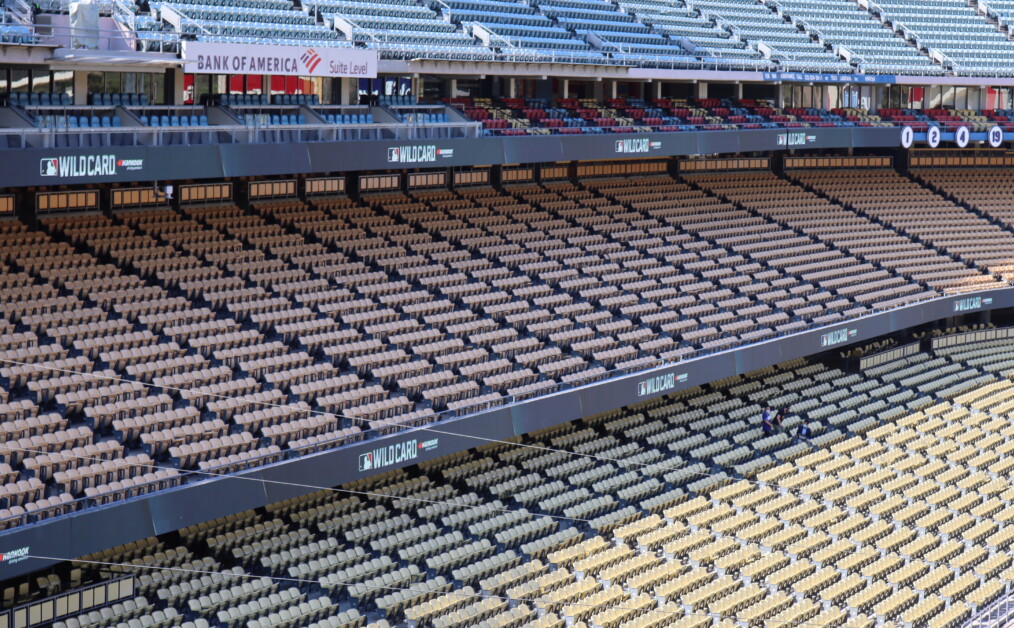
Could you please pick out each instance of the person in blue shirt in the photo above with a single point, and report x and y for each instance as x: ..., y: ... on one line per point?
x: 767, y: 426
x: 766, y: 415
x: 804, y: 432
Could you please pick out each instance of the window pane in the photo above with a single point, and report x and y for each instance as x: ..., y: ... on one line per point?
x: 63, y: 82
x: 20, y: 81
x: 113, y: 83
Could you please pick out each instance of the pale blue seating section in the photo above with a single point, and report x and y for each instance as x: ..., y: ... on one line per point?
x: 173, y: 120
x: 15, y: 34
x: 41, y: 99
x: 77, y: 122
x: 791, y: 47
x: 699, y: 34
x: 903, y: 37
x: 972, y: 45
x: 520, y: 31
x: 348, y: 118
x: 267, y: 21
x: 399, y: 27
x: 875, y: 47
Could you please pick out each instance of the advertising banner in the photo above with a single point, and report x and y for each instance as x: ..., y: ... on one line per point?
x: 213, y: 58
x: 811, y: 77
x: 58, y: 166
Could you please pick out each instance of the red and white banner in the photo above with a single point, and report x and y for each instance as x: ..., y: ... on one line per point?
x: 212, y: 58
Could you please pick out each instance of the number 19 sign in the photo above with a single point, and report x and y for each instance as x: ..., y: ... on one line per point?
x: 995, y: 137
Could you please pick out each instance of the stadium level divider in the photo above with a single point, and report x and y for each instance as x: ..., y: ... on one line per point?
x: 47, y: 167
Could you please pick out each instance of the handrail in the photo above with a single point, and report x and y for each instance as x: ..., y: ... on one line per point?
x: 774, y: 51
x: 355, y: 26
x: 607, y: 42
x: 724, y: 23
x: 908, y: 32
x: 998, y: 613
x: 238, y: 134
x: 494, y: 35
x: 186, y: 20
x: 797, y: 20
x: 944, y: 57
x: 446, y: 8
x: 21, y: 10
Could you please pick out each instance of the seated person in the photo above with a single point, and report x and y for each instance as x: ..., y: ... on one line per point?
x: 804, y: 432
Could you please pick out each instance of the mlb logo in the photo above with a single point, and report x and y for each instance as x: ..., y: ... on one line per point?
x: 642, y: 389
x: 365, y: 462
x: 49, y: 167
x: 619, y: 146
x: 393, y: 154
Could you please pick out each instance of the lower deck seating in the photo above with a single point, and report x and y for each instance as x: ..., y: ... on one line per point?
x: 678, y: 511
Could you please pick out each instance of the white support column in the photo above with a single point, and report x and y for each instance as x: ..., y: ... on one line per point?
x: 512, y: 88
x: 565, y: 87
x: 454, y: 88
x: 658, y: 89
x: 739, y: 91
x: 80, y: 88
x: 612, y: 89
x: 178, y: 93
x: 780, y: 95
x: 347, y: 91
x: 702, y: 90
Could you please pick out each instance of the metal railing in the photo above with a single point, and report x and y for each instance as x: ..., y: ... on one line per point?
x: 90, y: 137
x: 997, y: 615
x: 105, y: 38
x: 231, y: 134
